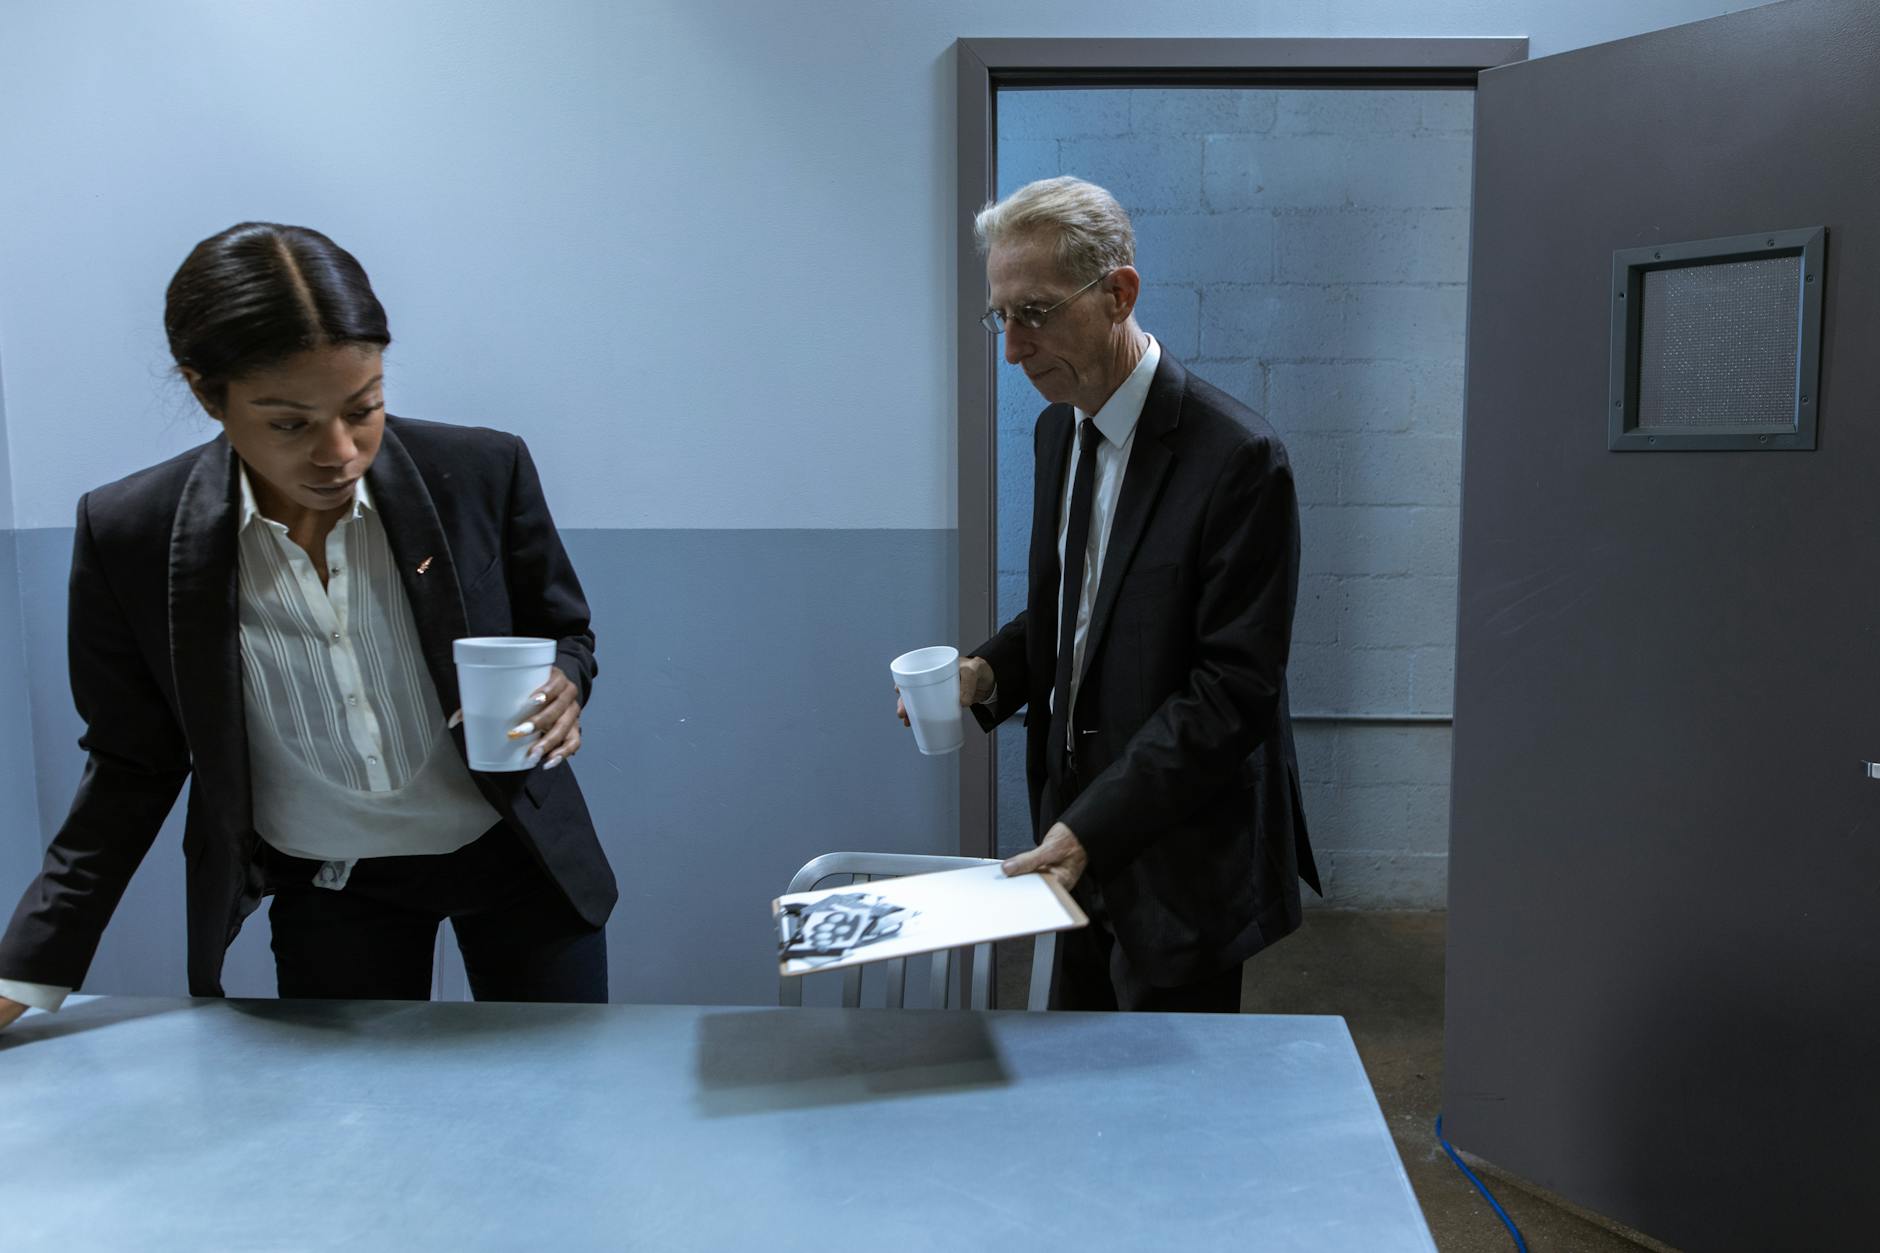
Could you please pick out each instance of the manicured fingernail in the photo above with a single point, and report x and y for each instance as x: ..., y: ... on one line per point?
x: 540, y: 698
x: 552, y: 762
x: 454, y: 720
x: 527, y: 728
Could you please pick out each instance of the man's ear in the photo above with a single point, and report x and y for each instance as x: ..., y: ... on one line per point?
x: 1122, y: 287
x: 194, y: 379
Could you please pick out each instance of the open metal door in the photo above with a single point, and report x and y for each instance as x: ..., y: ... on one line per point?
x: 1664, y: 965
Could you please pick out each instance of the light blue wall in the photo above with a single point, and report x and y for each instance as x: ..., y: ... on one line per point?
x: 698, y: 252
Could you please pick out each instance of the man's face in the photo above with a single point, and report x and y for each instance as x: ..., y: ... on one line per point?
x: 1070, y: 357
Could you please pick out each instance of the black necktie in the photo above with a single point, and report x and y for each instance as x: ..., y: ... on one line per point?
x: 1076, y: 541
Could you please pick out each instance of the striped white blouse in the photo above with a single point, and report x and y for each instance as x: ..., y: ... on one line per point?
x: 347, y: 745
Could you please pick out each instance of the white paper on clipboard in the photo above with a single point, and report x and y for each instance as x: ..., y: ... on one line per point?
x: 886, y: 918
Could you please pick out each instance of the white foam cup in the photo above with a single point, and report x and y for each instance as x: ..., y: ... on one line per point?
x: 929, y: 679
x: 496, y: 674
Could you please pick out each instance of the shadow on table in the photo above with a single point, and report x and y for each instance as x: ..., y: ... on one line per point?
x: 755, y: 1061
x: 431, y: 1024
x: 87, y: 1015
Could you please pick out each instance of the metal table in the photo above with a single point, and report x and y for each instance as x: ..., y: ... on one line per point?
x: 179, y: 1124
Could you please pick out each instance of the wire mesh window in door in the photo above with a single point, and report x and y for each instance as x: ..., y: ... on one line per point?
x: 1719, y: 344
x: 1716, y: 343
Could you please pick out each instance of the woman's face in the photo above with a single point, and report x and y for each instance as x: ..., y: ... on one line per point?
x: 308, y: 428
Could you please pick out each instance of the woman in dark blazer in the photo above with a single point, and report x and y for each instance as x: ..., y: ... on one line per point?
x: 271, y: 616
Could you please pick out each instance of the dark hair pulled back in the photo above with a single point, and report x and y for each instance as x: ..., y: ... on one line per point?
x: 257, y: 293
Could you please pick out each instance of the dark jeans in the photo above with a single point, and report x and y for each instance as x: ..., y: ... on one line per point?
x: 374, y: 939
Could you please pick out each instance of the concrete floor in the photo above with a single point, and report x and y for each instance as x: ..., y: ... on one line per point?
x: 1383, y: 972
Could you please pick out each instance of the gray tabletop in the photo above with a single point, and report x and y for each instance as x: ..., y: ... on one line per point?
x: 177, y: 1124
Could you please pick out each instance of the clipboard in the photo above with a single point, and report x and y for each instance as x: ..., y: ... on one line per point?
x: 883, y: 919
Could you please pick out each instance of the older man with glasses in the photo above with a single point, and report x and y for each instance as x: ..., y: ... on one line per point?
x: 1151, y: 654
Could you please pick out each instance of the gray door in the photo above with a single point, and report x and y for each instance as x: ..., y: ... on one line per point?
x: 1664, y: 967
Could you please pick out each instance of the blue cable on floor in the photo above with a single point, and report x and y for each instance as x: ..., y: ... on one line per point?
x: 1481, y: 1187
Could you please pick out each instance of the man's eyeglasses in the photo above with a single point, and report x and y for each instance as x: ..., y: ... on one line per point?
x: 1031, y: 316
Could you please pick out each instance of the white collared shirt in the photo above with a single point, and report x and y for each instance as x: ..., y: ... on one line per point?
x: 1116, y: 422
x: 347, y: 748
x: 349, y: 756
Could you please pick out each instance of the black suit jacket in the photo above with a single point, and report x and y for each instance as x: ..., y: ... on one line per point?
x: 1189, y: 805
x: 155, y: 659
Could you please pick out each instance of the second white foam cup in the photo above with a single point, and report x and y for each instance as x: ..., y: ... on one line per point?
x: 929, y: 679
x: 496, y: 675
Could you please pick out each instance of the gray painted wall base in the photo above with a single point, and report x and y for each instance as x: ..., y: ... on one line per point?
x: 739, y: 728
x: 741, y: 725
x: 19, y: 853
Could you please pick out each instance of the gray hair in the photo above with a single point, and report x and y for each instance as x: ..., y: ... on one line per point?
x: 1092, y: 230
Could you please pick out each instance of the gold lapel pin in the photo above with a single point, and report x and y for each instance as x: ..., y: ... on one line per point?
x: 424, y: 565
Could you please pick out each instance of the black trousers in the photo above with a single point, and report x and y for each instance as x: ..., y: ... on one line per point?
x: 374, y: 939
x: 1091, y: 971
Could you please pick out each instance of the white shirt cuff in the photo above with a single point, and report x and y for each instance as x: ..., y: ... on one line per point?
x: 44, y: 996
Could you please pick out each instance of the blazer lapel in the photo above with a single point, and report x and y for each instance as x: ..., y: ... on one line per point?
x: 422, y: 555
x: 1149, y: 462
x: 205, y: 631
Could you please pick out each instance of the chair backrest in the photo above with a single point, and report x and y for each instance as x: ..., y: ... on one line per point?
x: 860, y: 868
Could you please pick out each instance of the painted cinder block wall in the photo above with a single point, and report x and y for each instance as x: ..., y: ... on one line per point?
x: 1307, y: 251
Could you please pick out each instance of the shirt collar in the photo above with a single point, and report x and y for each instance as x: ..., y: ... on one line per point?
x: 1120, y: 413
x: 362, y: 499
